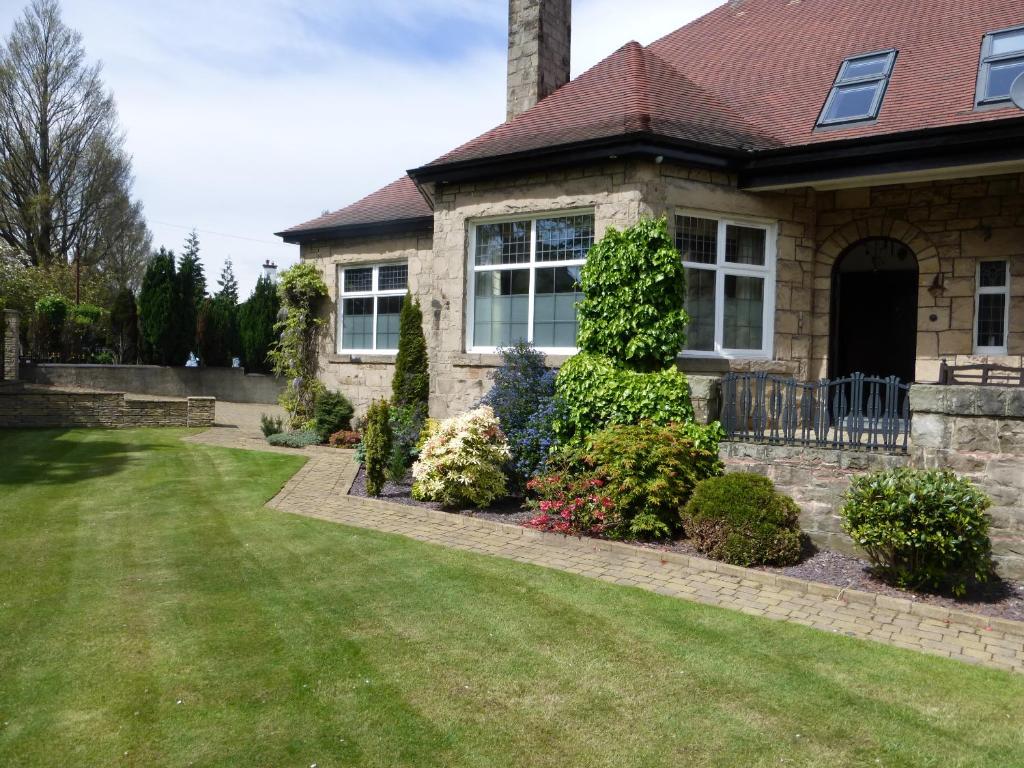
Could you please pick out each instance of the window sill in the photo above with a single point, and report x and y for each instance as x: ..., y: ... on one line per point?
x: 362, y: 357
x: 493, y: 360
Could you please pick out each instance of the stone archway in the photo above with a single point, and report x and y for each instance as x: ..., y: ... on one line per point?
x: 835, y: 245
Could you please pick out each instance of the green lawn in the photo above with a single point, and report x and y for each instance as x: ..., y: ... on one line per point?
x: 152, y: 613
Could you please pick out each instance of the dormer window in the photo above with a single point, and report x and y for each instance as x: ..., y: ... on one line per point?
x: 1002, y: 62
x: 857, y: 93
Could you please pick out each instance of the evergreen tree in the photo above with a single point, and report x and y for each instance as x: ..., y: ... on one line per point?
x: 158, y: 311
x: 257, y: 318
x: 411, y: 383
x: 191, y: 289
x: 124, y: 327
x: 213, y: 330
x: 227, y: 284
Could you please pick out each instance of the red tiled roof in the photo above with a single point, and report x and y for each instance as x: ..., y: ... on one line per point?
x: 632, y: 90
x: 397, y: 201
x: 755, y: 74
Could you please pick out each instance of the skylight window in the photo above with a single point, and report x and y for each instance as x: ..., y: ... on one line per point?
x: 858, y: 90
x: 1002, y: 62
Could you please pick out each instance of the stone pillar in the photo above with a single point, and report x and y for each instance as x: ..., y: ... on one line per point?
x: 539, y: 34
x: 9, y: 334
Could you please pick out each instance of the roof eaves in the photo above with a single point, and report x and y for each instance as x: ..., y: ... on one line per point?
x: 418, y: 224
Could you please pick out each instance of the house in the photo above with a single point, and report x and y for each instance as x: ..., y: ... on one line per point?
x: 844, y: 180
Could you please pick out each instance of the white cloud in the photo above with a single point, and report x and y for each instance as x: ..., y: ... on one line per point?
x: 247, y: 117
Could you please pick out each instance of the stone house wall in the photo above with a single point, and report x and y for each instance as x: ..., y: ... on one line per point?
x: 949, y: 225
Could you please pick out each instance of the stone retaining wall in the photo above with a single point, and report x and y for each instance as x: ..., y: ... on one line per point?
x: 229, y: 384
x: 816, y: 478
x: 9, y: 340
x: 37, y: 407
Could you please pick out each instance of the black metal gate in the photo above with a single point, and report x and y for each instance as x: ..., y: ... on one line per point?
x: 862, y: 412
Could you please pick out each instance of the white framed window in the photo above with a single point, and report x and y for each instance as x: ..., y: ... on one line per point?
x: 859, y: 89
x: 524, y: 281
x: 1002, y: 62
x: 991, y: 307
x: 369, y: 305
x: 730, y: 285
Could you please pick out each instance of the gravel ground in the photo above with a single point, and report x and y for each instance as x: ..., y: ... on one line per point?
x: 1002, y: 599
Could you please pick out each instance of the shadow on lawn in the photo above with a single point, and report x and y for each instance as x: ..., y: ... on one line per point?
x: 47, y: 457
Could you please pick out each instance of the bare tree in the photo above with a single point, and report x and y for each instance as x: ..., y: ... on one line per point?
x: 65, y: 179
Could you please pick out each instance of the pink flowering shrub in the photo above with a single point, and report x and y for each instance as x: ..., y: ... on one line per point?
x: 574, y: 506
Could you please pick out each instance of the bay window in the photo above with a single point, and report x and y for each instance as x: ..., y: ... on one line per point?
x: 524, y: 281
x: 369, y: 306
x: 730, y: 285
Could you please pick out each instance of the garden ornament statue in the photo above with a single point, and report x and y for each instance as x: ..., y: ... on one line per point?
x: 193, y: 361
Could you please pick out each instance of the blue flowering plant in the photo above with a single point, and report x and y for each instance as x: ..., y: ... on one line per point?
x: 523, y: 399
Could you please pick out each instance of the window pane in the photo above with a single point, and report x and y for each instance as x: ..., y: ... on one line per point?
x: 1008, y: 42
x: 700, y: 305
x: 850, y: 102
x: 743, y: 312
x: 389, y: 310
x: 992, y: 274
x: 394, y: 277
x: 357, y: 323
x: 991, y: 317
x: 564, y: 239
x: 1001, y: 77
x: 697, y: 239
x: 744, y: 245
x: 507, y: 243
x: 359, y: 279
x: 875, y: 65
x: 501, y: 307
x: 554, y: 308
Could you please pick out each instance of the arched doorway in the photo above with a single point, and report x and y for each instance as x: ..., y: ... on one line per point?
x: 874, y: 310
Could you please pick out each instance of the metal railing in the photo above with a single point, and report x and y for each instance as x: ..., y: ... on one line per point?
x: 860, y: 412
x: 985, y: 374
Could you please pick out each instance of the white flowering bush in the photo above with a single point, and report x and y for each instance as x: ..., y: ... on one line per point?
x: 461, y: 464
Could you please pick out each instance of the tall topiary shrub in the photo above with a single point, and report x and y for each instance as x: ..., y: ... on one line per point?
x: 410, y: 385
x: 51, y: 317
x: 632, y: 325
x: 294, y: 354
x: 377, y: 446
x: 257, y: 318
x: 124, y: 327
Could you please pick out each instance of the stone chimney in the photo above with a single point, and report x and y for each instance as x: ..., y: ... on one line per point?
x: 539, y: 34
x: 270, y: 270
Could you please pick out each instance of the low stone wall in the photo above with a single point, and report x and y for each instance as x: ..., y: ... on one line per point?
x: 228, y: 384
x: 36, y: 407
x: 816, y: 478
x: 9, y: 330
x: 978, y: 432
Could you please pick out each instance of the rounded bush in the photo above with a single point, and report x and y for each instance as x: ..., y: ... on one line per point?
x: 741, y: 519
x: 921, y: 528
x: 332, y: 413
x: 461, y: 462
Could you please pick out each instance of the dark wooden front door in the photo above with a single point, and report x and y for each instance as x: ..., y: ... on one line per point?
x: 874, y: 323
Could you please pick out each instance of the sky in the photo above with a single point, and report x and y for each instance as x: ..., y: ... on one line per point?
x: 246, y: 117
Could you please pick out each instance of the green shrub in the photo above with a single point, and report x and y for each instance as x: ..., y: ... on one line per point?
x: 461, y: 462
x: 271, y: 425
x: 297, y: 439
x: 377, y: 446
x: 332, y: 413
x: 51, y: 314
x: 256, y: 320
x: 596, y: 393
x: 921, y: 528
x: 634, y: 289
x: 646, y: 472
x: 406, y: 425
x: 295, y: 353
x: 410, y: 386
x: 741, y: 519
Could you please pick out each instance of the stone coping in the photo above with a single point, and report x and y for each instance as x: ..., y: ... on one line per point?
x: 968, y: 400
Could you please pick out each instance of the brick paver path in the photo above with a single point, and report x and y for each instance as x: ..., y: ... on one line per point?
x: 320, y: 489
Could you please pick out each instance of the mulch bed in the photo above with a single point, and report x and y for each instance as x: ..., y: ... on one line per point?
x: 1001, y: 599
